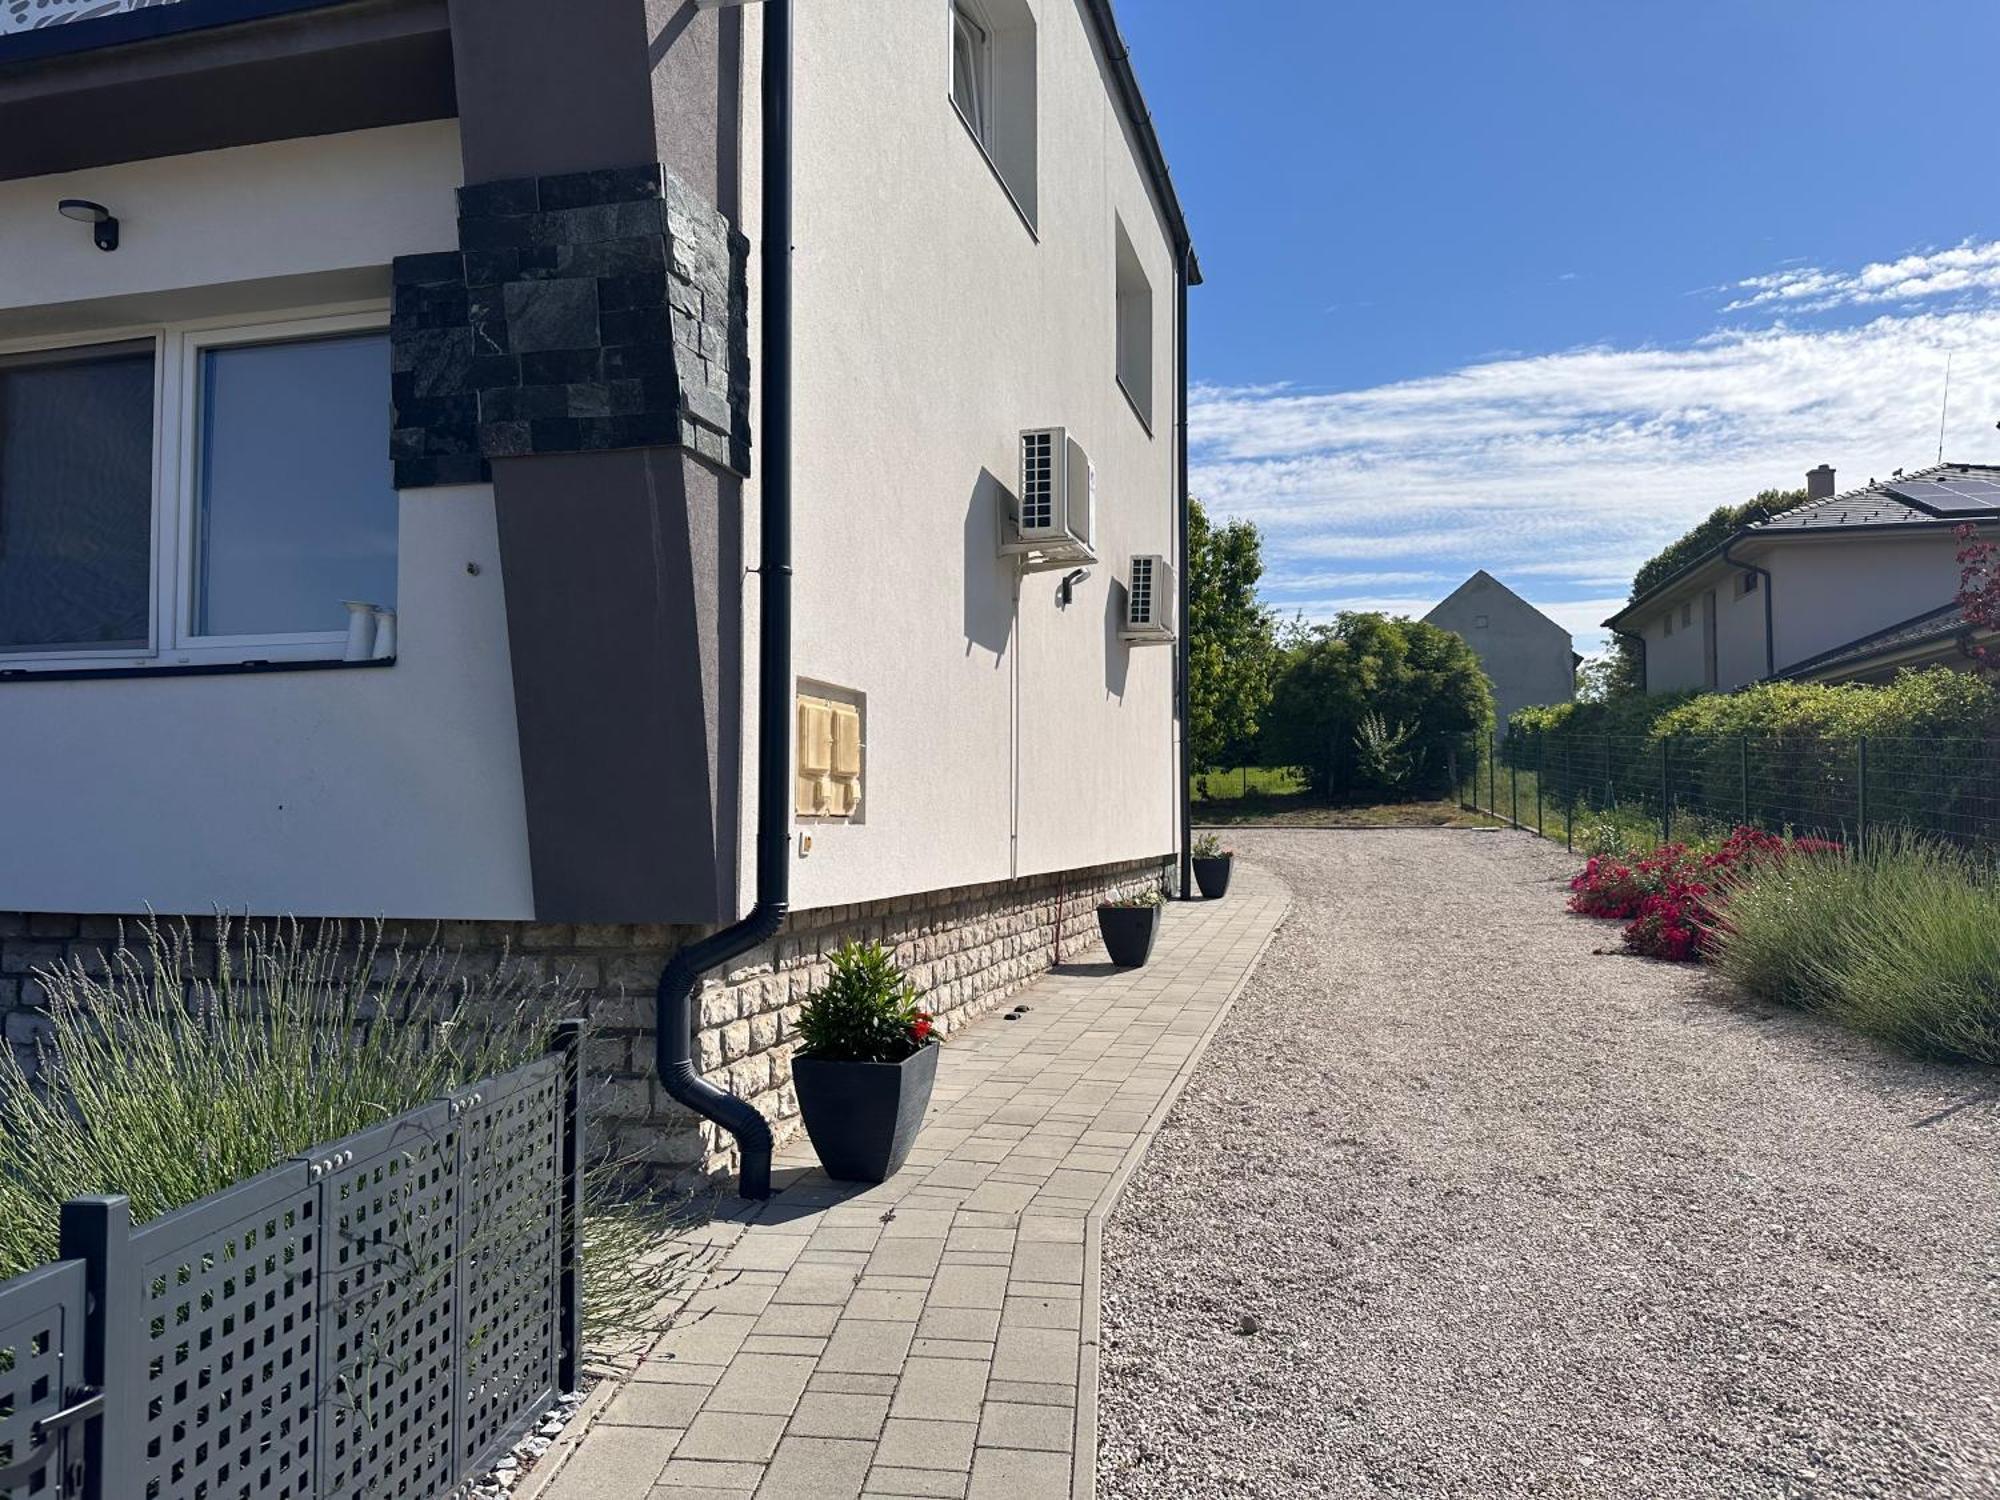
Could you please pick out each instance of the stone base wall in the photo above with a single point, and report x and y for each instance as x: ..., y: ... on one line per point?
x: 967, y: 949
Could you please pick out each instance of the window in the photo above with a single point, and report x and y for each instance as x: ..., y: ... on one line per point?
x: 200, y: 495
x: 1687, y: 614
x: 1479, y: 622
x: 972, y: 73
x: 993, y: 87
x: 1670, y: 623
x: 1746, y: 583
x: 76, y: 499
x: 1135, y: 327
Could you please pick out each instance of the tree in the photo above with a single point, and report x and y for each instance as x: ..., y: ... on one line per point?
x: 1627, y: 670
x: 1231, y: 645
x: 1346, y: 692
x: 1594, y: 677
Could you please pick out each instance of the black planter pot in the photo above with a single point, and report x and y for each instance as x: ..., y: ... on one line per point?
x: 863, y: 1117
x: 1212, y: 875
x: 1129, y: 932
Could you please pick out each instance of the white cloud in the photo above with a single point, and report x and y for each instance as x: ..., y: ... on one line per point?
x: 1972, y: 267
x: 1560, y: 473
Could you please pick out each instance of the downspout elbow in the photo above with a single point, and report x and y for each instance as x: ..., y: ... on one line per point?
x: 673, y: 1037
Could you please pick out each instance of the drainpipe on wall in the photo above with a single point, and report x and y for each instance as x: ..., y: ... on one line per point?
x: 679, y: 981
x: 1764, y: 586
x: 1183, y: 791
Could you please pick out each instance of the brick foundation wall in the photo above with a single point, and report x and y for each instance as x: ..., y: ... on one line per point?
x: 967, y: 948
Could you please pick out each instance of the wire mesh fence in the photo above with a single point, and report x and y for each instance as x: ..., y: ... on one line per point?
x: 1689, y: 788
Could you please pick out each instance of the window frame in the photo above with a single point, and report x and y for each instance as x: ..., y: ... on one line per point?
x: 963, y: 14
x: 177, y: 348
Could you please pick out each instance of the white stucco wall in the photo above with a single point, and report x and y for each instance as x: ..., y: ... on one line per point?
x: 339, y: 792
x: 1825, y: 592
x: 933, y: 325
x: 1829, y: 592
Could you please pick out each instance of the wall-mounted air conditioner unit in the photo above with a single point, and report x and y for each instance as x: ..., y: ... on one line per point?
x: 1052, y: 518
x: 1149, y: 600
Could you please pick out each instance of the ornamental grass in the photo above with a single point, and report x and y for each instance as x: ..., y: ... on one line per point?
x: 179, y: 1066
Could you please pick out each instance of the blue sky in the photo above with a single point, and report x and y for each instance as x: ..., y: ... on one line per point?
x: 1534, y: 285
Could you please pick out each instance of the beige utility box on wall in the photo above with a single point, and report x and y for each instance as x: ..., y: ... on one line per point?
x: 828, y: 783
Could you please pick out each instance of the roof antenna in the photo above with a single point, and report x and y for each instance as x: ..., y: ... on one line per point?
x: 1945, y: 407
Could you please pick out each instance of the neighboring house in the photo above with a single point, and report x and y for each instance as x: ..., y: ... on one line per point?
x: 1528, y: 657
x: 1846, y: 587
x: 379, y: 519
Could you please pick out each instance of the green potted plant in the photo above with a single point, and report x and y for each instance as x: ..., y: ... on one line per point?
x: 1212, y: 864
x: 865, y: 1066
x: 1129, y: 925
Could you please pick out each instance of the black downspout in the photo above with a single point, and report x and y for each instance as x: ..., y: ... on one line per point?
x: 1184, y: 793
x: 1764, y: 575
x: 673, y: 1018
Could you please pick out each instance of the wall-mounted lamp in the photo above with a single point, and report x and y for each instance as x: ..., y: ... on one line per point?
x: 1067, y: 587
x: 104, y: 228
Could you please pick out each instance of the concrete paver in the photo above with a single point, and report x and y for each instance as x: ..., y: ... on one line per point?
x: 936, y: 1335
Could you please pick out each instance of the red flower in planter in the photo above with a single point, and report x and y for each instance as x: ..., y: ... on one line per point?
x: 920, y: 1028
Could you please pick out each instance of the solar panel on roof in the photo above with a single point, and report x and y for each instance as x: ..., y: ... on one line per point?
x: 1951, y: 494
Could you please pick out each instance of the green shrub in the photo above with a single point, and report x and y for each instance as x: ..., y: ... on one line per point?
x: 1207, y: 846
x: 865, y: 1012
x: 1902, y: 943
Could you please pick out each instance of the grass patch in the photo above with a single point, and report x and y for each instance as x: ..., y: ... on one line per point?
x: 1243, y: 783
x: 1901, y: 942
x: 1307, y: 810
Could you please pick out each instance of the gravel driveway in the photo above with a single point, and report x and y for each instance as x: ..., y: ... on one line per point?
x: 1514, y: 1218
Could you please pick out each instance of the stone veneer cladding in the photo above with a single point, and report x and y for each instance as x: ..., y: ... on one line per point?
x: 584, y: 312
x: 967, y: 948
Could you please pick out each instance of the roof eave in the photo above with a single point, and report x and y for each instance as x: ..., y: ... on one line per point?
x: 1134, y: 101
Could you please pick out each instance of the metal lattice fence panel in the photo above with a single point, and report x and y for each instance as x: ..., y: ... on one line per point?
x: 229, y: 1294
x: 41, y: 1340
x: 510, y: 1143
x: 389, y: 1319
x: 378, y: 1317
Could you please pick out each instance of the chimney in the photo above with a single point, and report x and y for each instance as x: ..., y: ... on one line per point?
x: 1819, y: 482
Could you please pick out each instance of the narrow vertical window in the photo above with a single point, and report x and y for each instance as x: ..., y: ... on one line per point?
x: 1134, y: 321
x: 76, y: 499
x: 972, y: 73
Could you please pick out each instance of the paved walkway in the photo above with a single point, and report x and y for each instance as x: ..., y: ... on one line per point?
x: 937, y: 1335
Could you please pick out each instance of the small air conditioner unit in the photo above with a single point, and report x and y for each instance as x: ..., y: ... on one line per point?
x: 1052, y: 516
x: 1149, y: 600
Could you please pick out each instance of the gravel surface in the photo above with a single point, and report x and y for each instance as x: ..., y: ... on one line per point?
x: 1455, y: 1206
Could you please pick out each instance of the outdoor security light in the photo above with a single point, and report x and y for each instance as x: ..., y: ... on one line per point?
x: 104, y: 228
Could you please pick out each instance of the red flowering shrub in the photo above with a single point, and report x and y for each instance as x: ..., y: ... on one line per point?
x: 1618, y: 888
x: 1672, y: 900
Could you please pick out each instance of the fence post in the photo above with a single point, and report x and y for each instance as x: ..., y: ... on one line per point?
x: 1514, y: 789
x: 1451, y: 769
x: 98, y: 1232
x: 1569, y: 800
x: 1492, y: 777
x: 1861, y: 795
x: 568, y: 1041
x: 1743, y: 773
x: 1541, y: 775
x: 1666, y: 790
